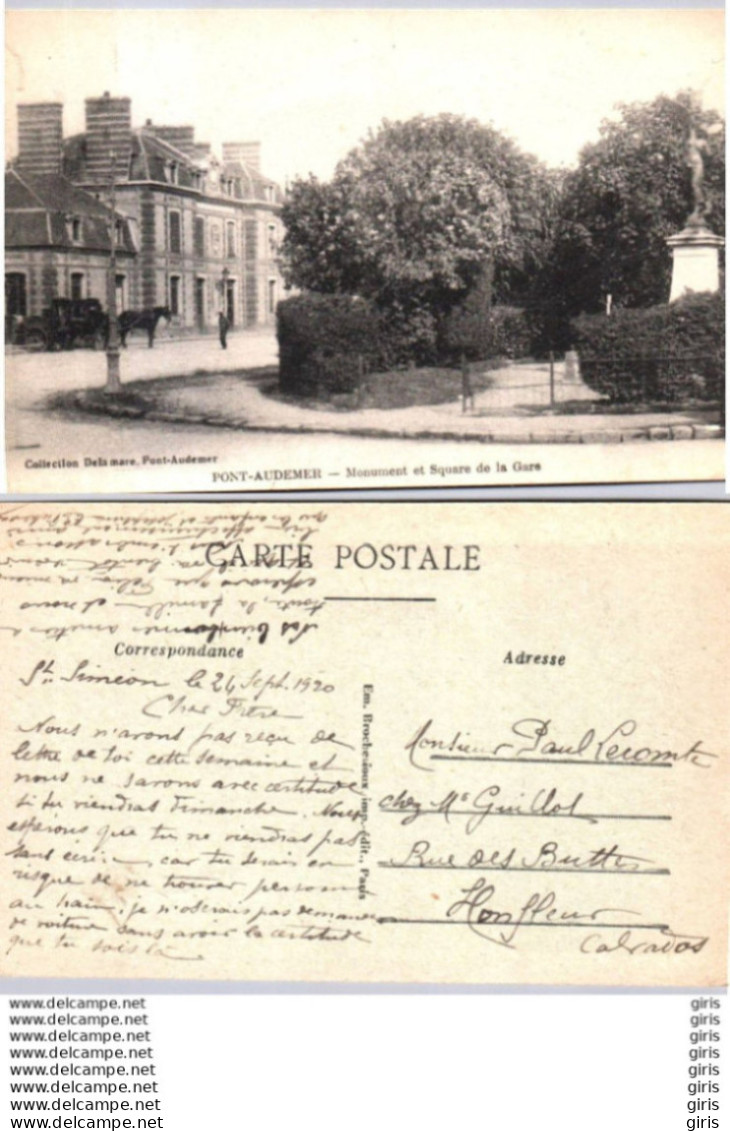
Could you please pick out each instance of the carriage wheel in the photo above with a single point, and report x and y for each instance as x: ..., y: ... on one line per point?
x: 35, y: 340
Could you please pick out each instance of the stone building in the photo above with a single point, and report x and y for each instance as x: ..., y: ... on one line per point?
x: 57, y: 244
x: 206, y: 229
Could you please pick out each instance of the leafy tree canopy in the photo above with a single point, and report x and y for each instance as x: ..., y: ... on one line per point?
x: 631, y: 190
x: 415, y: 213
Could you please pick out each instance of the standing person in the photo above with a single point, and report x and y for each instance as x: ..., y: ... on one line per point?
x: 223, y: 328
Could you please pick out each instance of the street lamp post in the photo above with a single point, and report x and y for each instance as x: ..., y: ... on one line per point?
x: 113, y: 379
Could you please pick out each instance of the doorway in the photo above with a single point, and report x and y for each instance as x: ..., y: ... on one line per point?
x: 16, y: 302
x: 200, y: 303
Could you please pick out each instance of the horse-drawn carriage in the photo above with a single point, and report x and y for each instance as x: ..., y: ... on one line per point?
x: 64, y: 324
x: 83, y: 322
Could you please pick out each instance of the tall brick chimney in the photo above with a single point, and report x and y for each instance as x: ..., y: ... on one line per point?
x: 40, y: 137
x: 108, y: 125
x: 182, y: 137
x: 246, y: 152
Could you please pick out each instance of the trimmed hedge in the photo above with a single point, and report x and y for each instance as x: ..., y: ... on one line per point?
x: 408, y: 335
x: 661, y: 353
x: 326, y: 343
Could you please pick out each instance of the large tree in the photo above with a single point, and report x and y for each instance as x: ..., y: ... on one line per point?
x: 417, y: 213
x: 631, y: 190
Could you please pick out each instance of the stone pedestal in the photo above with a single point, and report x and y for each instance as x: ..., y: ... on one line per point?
x: 695, y: 261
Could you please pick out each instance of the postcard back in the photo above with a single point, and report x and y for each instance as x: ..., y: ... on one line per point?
x: 456, y: 743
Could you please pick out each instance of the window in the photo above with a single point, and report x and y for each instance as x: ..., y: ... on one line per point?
x: 119, y: 233
x: 200, y: 302
x: 120, y: 283
x: 273, y: 246
x: 73, y: 229
x: 175, y: 233
x: 251, y: 241
x: 230, y: 239
x: 15, y: 295
x: 272, y: 296
x: 174, y: 294
x: 77, y: 284
x: 199, y: 236
x: 173, y: 173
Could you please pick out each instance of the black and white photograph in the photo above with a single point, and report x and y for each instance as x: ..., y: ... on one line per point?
x: 298, y: 249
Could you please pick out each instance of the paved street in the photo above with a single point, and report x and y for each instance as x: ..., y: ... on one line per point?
x: 37, y: 375
x: 285, y: 436
x: 32, y: 378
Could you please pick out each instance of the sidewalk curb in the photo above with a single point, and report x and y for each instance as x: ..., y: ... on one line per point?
x: 646, y: 434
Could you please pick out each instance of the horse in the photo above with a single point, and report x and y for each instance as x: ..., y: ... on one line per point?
x: 142, y: 320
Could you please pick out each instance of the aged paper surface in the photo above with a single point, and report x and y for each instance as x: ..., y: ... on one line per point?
x: 443, y: 743
x: 146, y: 87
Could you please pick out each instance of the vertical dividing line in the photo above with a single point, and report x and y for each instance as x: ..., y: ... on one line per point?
x: 365, y: 747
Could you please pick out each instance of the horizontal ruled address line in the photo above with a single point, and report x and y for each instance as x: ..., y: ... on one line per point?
x: 550, y: 761
x: 532, y: 816
x: 519, y: 923
x: 497, y: 868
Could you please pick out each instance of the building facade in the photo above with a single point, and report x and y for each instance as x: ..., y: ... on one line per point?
x: 58, y: 244
x: 205, y: 229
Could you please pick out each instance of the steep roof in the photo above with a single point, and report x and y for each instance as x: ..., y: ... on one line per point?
x: 38, y: 207
x: 149, y: 159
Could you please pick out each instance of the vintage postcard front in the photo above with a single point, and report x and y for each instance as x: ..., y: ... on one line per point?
x: 438, y: 743
x: 391, y: 249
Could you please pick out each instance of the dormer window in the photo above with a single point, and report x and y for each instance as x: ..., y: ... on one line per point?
x: 118, y: 232
x: 173, y: 172
x: 73, y: 229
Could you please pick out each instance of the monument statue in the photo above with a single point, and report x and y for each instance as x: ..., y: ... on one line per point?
x: 696, y: 146
x: 695, y: 250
